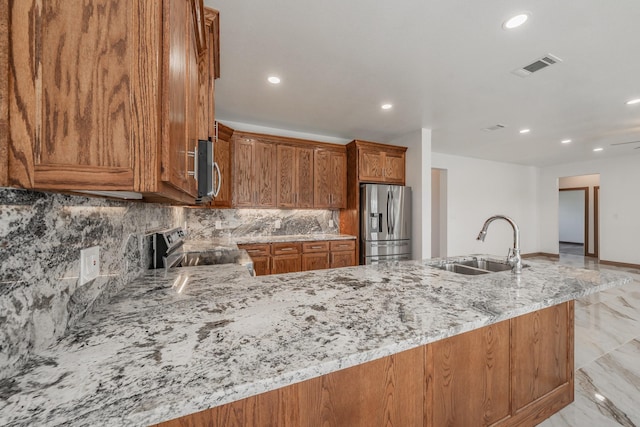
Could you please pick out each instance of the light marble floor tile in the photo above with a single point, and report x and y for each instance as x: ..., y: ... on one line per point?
x: 607, y: 356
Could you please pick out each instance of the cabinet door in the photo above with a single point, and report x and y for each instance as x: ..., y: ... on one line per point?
x: 286, y: 176
x: 322, y: 179
x: 305, y: 174
x: 243, y: 193
x: 73, y: 99
x: 222, y: 152
x: 285, y: 264
x: 542, y: 354
x: 176, y: 162
x: 265, y: 174
x: 469, y: 378
x: 394, y: 167
x: 315, y: 261
x: 261, y: 265
x: 343, y: 259
x: 371, y: 165
x: 338, y: 197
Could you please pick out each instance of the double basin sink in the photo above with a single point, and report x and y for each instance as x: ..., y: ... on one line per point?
x: 474, y: 266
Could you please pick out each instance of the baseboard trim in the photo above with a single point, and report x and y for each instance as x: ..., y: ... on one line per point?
x: 620, y: 264
x: 544, y: 254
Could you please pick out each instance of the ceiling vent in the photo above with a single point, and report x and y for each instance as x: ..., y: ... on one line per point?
x: 537, y: 65
x: 494, y: 127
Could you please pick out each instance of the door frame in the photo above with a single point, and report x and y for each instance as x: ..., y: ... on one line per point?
x: 596, y: 221
x: 586, y: 217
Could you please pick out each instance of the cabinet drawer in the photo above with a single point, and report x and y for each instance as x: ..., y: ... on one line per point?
x: 263, y: 249
x: 287, y: 248
x: 310, y: 247
x: 343, y: 245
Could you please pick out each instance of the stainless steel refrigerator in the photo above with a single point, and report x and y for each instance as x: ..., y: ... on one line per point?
x: 385, y: 223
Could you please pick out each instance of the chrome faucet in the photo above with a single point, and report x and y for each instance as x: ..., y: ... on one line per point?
x: 513, y: 258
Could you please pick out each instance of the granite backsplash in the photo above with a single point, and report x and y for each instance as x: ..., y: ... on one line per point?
x: 201, y: 223
x: 41, y: 235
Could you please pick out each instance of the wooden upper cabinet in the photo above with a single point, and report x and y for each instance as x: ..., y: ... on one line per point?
x: 330, y: 186
x: 254, y: 172
x: 295, y: 177
x: 380, y: 163
x: 222, y: 154
x: 113, y: 104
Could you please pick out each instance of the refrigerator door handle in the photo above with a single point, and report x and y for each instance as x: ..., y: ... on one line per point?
x: 379, y: 223
x: 388, y: 216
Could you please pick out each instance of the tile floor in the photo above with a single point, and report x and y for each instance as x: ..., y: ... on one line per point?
x: 571, y: 248
x: 607, y: 355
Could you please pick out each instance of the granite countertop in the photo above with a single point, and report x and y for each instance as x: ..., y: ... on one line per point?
x: 292, y: 238
x: 178, y: 342
x: 232, y: 242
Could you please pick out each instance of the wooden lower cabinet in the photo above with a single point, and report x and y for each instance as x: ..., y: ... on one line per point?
x: 469, y: 377
x: 515, y: 372
x: 260, y: 256
x: 289, y: 257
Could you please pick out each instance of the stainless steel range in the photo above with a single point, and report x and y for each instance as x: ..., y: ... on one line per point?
x: 169, y: 250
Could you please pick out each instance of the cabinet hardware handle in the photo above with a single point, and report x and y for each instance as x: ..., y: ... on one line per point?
x: 194, y: 154
x: 253, y: 250
x: 287, y: 249
x: 316, y: 247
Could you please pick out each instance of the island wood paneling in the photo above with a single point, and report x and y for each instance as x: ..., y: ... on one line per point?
x: 541, y: 353
x: 4, y: 93
x: 513, y: 373
x: 469, y: 377
x: 387, y: 392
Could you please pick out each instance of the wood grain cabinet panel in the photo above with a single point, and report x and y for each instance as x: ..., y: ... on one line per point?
x: 222, y: 153
x: 371, y: 165
x: 254, y: 172
x: 394, y: 167
x: 542, y: 354
x: 315, y: 261
x: 260, y: 256
x: 295, y: 177
x: 285, y: 264
x: 114, y: 105
x: 330, y: 168
x: 470, y: 377
x: 343, y: 259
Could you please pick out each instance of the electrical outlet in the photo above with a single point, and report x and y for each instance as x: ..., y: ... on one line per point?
x: 89, y: 264
x: 218, y: 225
x: 331, y: 223
x: 278, y: 224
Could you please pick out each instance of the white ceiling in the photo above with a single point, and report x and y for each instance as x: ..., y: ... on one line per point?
x: 444, y: 65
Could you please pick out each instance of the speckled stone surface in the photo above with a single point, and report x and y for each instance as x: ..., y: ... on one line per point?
x: 41, y: 235
x: 168, y: 346
x: 260, y: 222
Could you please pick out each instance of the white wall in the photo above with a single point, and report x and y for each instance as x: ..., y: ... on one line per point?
x: 571, y: 216
x: 478, y: 189
x: 619, y: 205
x: 418, y: 177
x: 589, y: 181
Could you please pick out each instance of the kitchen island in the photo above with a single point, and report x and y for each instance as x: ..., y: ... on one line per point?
x: 195, y: 338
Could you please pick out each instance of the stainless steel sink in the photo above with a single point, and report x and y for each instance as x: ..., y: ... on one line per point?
x: 485, y: 264
x: 475, y: 266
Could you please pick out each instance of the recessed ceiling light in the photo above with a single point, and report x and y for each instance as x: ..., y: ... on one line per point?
x: 633, y: 101
x: 565, y: 141
x: 274, y: 80
x: 515, y: 21
x: 386, y: 106
x: 525, y: 130
x: 598, y: 149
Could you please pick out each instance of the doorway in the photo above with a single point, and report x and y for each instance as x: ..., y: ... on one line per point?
x: 573, y: 220
x: 578, y: 219
x: 438, y: 213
